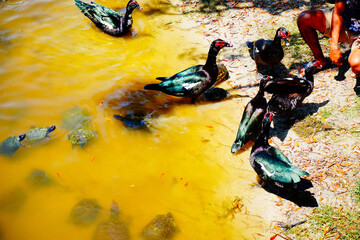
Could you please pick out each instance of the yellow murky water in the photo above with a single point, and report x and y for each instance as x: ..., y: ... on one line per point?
x: 52, y: 59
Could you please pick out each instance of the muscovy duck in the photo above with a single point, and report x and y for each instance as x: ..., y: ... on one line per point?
x: 194, y: 81
x: 108, y: 20
x: 271, y: 165
x: 253, y: 115
x: 269, y: 52
x: 289, y: 93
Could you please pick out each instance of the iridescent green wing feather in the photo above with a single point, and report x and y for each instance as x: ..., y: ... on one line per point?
x: 185, y: 85
x: 185, y: 72
x: 277, y: 170
x: 99, y: 14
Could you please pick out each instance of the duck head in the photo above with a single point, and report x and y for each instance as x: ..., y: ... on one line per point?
x: 268, y: 117
x: 21, y: 137
x: 310, y: 67
x: 132, y: 4
x: 264, y: 80
x: 284, y: 34
x: 219, y: 44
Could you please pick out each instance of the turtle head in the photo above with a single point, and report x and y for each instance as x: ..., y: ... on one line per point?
x: 21, y: 137
x: 50, y: 129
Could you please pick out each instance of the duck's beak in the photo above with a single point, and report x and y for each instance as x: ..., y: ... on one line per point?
x: 287, y: 42
x: 228, y: 45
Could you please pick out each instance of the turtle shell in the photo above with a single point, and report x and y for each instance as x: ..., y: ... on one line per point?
x: 112, y: 229
x: 75, y: 118
x: 38, y: 133
x: 10, y: 145
x: 38, y: 178
x: 81, y: 136
x: 162, y: 227
x: 85, y: 212
x: 12, y: 199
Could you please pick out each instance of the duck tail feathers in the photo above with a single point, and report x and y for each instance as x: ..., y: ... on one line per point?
x: 249, y: 44
x: 236, y: 146
x: 152, y: 87
x: 162, y: 78
x: 299, y: 172
x: 81, y: 5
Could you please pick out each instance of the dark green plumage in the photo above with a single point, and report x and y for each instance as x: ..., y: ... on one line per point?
x: 270, y: 163
x: 107, y: 19
x: 250, y: 124
x: 193, y: 81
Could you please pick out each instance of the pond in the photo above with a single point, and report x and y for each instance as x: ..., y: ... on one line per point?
x: 53, y: 59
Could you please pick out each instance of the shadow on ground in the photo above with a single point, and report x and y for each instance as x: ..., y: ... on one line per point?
x: 282, y: 124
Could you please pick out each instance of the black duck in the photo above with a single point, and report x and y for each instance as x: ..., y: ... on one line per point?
x: 250, y: 124
x: 108, y: 20
x: 271, y: 165
x: 269, y: 52
x: 289, y: 93
x: 193, y: 81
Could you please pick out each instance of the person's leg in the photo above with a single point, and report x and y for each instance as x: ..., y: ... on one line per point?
x: 354, y: 62
x: 309, y: 22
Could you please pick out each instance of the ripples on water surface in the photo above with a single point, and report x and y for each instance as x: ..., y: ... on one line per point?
x: 52, y: 59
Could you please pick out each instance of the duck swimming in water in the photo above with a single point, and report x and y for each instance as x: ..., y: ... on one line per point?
x: 194, y: 81
x: 271, y: 165
x: 108, y: 20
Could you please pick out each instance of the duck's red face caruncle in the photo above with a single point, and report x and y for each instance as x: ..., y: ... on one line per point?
x: 221, y: 43
x: 269, y: 115
x: 285, y: 36
x: 135, y: 4
x: 318, y: 65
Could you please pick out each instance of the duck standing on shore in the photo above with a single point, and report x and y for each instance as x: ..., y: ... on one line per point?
x: 269, y: 52
x: 253, y: 115
x: 194, y: 81
x: 289, y: 93
x: 108, y: 20
x: 271, y: 165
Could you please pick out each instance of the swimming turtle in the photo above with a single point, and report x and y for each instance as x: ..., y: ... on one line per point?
x: 112, y: 229
x: 81, y: 136
x: 10, y: 145
x: 38, y: 133
x: 13, y: 199
x: 85, y: 212
x: 216, y: 94
x: 162, y: 227
x: 76, y: 117
x: 38, y: 178
x: 134, y: 120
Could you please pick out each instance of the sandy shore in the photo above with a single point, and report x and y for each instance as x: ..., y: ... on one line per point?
x: 331, y: 159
